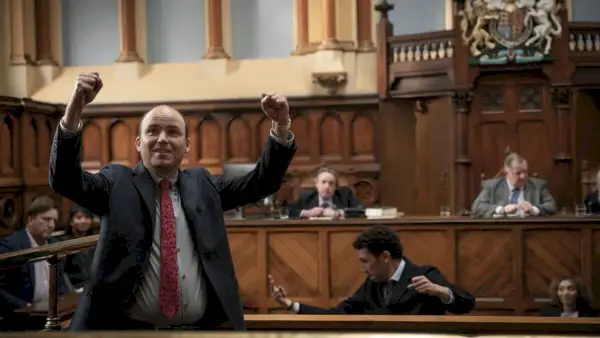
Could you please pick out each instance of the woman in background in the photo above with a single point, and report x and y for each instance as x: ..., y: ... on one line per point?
x: 80, y: 224
x: 570, y: 298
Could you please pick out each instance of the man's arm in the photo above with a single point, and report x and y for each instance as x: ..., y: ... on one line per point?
x: 548, y: 207
x: 355, y: 304
x: 67, y: 178
x: 264, y: 180
x: 459, y: 301
x: 482, y: 206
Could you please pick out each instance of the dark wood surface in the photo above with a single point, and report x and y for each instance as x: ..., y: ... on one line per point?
x: 66, y: 306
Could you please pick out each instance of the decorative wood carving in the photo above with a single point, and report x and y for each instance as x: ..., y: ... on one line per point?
x: 332, y: 82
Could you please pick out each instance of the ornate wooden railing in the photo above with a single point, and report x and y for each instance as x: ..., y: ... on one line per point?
x: 52, y: 253
x: 584, y: 42
x: 422, y: 47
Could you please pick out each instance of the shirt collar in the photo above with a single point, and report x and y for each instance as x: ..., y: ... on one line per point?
x: 157, y: 179
x: 510, y: 186
x: 398, y: 273
x: 34, y: 244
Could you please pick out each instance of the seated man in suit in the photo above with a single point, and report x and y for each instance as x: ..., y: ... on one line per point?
x: 327, y: 200
x: 592, y: 201
x: 21, y: 287
x: 394, y: 285
x: 514, y: 194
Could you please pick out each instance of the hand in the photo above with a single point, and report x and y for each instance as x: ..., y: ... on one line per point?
x: 526, y: 207
x: 510, y: 208
x: 314, y: 212
x: 28, y: 305
x: 329, y: 212
x: 87, y: 86
x: 422, y: 284
x: 278, y: 294
x: 276, y: 107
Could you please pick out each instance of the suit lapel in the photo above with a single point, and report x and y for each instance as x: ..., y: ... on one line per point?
x: 337, y: 201
x: 528, y: 192
x: 145, y: 187
x: 401, y: 290
x: 502, y: 192
x: 26, y: 244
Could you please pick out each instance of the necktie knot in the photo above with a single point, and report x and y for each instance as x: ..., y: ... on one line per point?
x: 165, y: 185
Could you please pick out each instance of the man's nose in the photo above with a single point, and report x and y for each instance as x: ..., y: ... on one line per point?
x: 162, y: 137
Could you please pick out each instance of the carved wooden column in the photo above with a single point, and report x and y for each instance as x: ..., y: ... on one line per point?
x: 461, y: 102
x: 43, y: 36
x: 215, y: 48
x: 561, y: 97
x: 384, y: 30
x: 19, y: 53
x: 301, y: 27
x: 128, y: 32
x: 330, y: 41
x: 363, y: 26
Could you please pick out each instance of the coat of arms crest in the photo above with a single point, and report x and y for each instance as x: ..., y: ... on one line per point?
x: 501, y: 31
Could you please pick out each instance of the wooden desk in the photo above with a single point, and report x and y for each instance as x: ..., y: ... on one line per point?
x: 506, y: 263
x: 471, y: 325
x: 66, y: 307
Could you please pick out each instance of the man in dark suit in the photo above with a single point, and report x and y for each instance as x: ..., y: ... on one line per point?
x: 163, y: 257
x: 394, y: 285
x: 515, y: 194
x: 328, y: 199
x: 24, y: 286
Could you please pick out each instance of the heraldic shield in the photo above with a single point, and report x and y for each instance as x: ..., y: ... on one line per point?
x: 510, y: 29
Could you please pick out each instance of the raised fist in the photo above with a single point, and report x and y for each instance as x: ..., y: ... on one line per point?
x: 87, y: 86
x: 275, y: 107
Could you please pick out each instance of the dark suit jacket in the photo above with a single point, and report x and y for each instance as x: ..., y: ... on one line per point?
x: 78, y: 265
x: 496, y: 193
x: 17, y: 285
x: 592, y: 203
x: 124, y: 198
x: 342, y: 198
x: 404, y: 301
x: 555, y: 311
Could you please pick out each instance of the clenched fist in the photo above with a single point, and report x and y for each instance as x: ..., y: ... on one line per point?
x: 87, y: 86
x: 276, y: 107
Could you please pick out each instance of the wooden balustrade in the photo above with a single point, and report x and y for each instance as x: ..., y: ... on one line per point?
x: 53, y: 253
x: 505, y: 263
x: 584, y: 42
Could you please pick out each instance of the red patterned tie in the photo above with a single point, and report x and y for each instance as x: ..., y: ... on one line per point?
x: 169, y: 279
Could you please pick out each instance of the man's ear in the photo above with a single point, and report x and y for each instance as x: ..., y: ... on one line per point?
x: 188, y: 145
x: 138, y: 144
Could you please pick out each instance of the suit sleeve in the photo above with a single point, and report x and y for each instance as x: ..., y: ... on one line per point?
x: 353, y: 201
x: 548, y: 206
x: 463, y: 301
x: 482, y: 206
x: 8, y: 302
x: 67, y: 178
x: 264, y: 180
x: 354, y: 305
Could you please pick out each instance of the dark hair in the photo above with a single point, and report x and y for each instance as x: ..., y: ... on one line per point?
x: 584, y: 295
x: 75, y: 210
x: 379, y: 238
x: 324, y: 169
x: 40, y: 205
x: 186, y: 131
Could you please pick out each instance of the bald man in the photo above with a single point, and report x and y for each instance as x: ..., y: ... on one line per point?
x: 163, y: 258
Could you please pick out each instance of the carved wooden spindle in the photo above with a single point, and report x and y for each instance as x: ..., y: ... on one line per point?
x: 384, y: 30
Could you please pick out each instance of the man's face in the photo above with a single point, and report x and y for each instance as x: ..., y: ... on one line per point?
x: 325, y: 184
x: 163, y: 142
x: 567, y: 292
x: 377, y: 268
x: 42, y: 225
x: 517, y: 173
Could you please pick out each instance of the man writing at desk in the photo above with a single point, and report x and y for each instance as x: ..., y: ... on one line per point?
x: 327, y: 199
x: 162, y: 259
x: 394, y: 285
x: 514, y: 194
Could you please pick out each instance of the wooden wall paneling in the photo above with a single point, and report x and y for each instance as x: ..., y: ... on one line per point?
x: 507, y: 265
x: 587, y: 137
